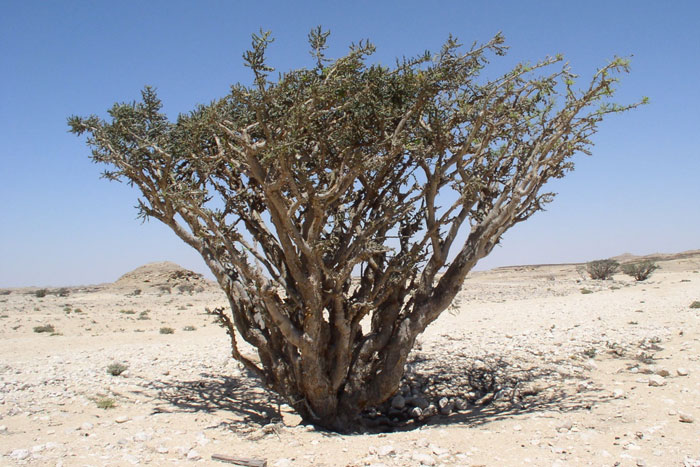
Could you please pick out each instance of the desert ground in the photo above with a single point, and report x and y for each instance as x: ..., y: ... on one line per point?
x: 535, y: 365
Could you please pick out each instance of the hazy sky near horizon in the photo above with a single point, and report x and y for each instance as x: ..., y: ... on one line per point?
x: 63, y: 225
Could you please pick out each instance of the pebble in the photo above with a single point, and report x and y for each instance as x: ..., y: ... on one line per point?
x: 386, y: 450
x: 663, y: 372
x: 19, y: 454
x: 87, y: 426
x: 398, y: 402
x: 618, y: 393
x: 685, y: 417
x: 3, y: 429
x: 162, y: 450
x: 142, y: 436
x: 193, y: 455
x: 416, y: 412
x: 423, y: 459
x: 682, y: 372
x: 656, y: 380
x: 282, y: 462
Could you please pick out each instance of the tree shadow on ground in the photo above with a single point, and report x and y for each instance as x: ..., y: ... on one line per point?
x: 247, y: 405
x: 490, y: 389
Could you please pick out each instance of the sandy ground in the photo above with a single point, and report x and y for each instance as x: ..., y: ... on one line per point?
x: 562, y: 377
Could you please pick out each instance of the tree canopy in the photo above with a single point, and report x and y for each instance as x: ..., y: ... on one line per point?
x: 341, y: 206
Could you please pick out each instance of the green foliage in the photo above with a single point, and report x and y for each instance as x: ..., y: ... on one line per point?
x: 585, y: 291
x: 105, y: 403
x: 695, y: 304
x: 640, y: 271
x: 116, y: 369
x: 143, y: 315
x: 166, y: 330
x: 45, y: 328
x: 602, y: 269
x: 189, y: 328
x: 127, y: 312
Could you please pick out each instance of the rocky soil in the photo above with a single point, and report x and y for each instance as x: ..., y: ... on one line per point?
x: 531, y: 365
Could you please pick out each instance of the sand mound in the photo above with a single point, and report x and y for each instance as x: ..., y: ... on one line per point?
x: 162, y: 277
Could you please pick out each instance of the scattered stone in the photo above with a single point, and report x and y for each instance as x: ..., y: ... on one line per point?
x: 445, y: 405
x: 387, y: 450
x: 685, y: 417
x: 121, y: 419
x: 423, y: 459
x: 618, y: 393
x: 565, y: 426
x: 663, y: 372
x: 282, y: 462
x: 193, y: 455
x: 682, y: 372
x: 142, y: 436
x: 416, y: 412
x: 162, y: 450
x: 438, y: 451
x: 398, y: 402
x: 19, y: 454
x: 430, y: 411
x: 657, y: 380
x: 87, y: 426
x: 419, y: 402
x: 3, y: 429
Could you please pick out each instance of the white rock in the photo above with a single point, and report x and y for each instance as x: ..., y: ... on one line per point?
x: 131, y: 459
x: 386, y: 450
x: 685, y: 417
x: 162, y: 450
x: 438, y: 451
x: 282, y: 462
x: 3, y: 429
x: 193, y: 455
x: 682, y: 372
x: 142, y: 436
x: 38, y: 448
x: 121, y: 419
x: 656, y: 380
x: 423, y: 459
x: 87, y: 426
x: 618, y: 393
x: 19, y: 454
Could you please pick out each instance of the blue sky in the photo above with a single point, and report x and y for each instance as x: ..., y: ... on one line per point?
x: 62, y: 225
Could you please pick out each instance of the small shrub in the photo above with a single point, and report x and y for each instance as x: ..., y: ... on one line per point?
x: 63, y: 292
x: 167, y: 331
x: 45, y: 328
x: 189, y: 328
x: 116, y: 369
x: 5, y: 292
x: 41, y: 293
x: 136, y: 292
x: 127, y: 312
x: 586, y: 291
x: 186, y: 288
x: 640, y: 271
x: 105, y: 403
x: 695, y: 304
x: 144, y: 315
x: 77, y: 310
x: 602, y: 269
x: 165, y: 289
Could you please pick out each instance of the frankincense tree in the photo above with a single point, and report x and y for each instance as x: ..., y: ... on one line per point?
x: 341, y: 206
